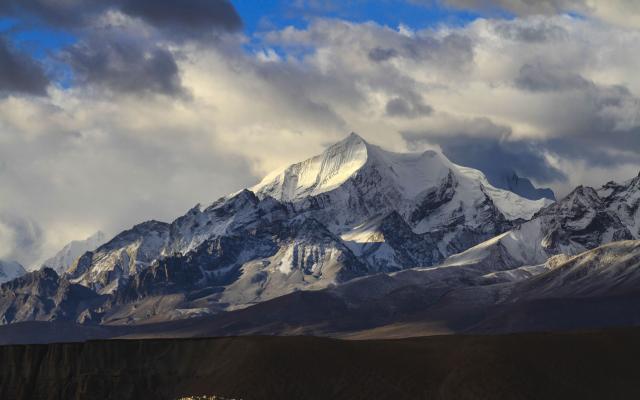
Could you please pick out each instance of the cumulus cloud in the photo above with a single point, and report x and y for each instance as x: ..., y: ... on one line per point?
x: 19, y: 73
x: 537, y: 78
x: 122, y: 45
x: 123, y: 63
x: 410, y: 107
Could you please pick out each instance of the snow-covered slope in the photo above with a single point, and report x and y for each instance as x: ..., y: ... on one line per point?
x: 585, y: 219
x: 63, y: 259
x: 401, y: 180
x: 354, y: 185
x: 611, y: 269
x: 10, y: 270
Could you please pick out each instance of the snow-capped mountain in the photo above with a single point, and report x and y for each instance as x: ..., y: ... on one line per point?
x: 63, y: 259
x: 353, y: 187
x: 369, y: 180
x: 10, y: 270
x: 583, y: 220
x: 351, y: 211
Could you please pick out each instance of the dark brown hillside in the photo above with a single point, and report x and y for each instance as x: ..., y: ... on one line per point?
x: 599, y: 365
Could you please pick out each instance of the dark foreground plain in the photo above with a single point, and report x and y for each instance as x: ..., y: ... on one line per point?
x: 592, y: 365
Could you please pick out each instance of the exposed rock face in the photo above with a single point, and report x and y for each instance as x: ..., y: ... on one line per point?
x: 126, y: 254
x: 295, y: 253
x: 44, y: 296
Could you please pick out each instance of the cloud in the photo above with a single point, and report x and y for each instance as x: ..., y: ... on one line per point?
x: 19, y: 73
x: 379, y: 54
x: 538, y: 78
x: 533, y: 30
x: 122, y: 63
x: 410, y: 107
x: 190, y: 18
x: 121, y: 45
x: 480, y: 143
x: 186, y: 18
x: 21, y: 239
x: 520, y: 7
x: 624, y: 13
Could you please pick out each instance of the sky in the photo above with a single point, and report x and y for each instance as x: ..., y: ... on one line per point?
x: 121, y: 111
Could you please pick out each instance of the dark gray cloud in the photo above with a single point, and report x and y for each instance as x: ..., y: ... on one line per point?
x: 192, y: 18
x: 66, y: 13
x: 19, y: 73
x: 539, y: 78
x: 123, y: 64
x: 379, y: 54
x: 480, y: 143
x: 454, y: 49
x: 410, y: 106
x: 606, y: 130
x: 519, y: 7
x: 598, y: 124
x: 126, y: 60
x: 533, y: 31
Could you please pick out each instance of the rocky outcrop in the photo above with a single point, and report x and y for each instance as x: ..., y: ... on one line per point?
x: 44, y: 296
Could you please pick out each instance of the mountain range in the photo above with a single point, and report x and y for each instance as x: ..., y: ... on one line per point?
x: 354, y: 241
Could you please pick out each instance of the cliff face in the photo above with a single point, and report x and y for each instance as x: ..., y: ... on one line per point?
x: 532, y: 366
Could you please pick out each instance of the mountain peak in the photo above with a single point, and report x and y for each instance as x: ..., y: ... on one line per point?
x: 351, y: 142
x: 318, y: 174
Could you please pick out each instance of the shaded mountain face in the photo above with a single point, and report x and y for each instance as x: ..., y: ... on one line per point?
x: 499, y: 169
x: 63, y: 259
x: 10, y: 270
x: 352, y: 211
x: 596, y: 289
x: 510, y: 181
x: 44, y: 296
